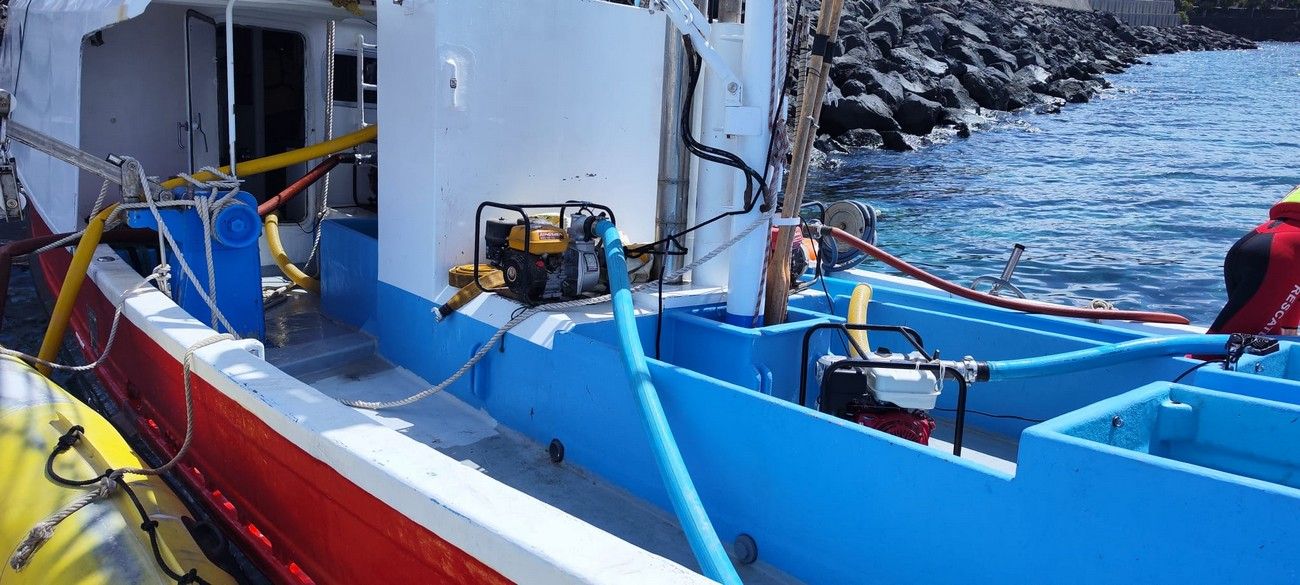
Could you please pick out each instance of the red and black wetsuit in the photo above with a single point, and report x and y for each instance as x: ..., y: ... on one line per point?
x: 1263, y: 276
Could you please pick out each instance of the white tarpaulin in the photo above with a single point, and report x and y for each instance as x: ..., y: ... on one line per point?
x: 40, y: 63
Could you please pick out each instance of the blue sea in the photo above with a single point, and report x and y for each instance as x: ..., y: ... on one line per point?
x: 1132, y: 198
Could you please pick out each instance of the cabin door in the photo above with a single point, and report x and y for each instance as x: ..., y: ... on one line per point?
x: 270, y: 108
x: 203, y: 91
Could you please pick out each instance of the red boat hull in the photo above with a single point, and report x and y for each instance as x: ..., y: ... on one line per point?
x: 297, y: 517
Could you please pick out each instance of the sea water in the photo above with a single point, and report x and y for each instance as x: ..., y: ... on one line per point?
x: 1133, y: 198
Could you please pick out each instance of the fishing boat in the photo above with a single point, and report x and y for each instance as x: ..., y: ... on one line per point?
x: 435, y: 291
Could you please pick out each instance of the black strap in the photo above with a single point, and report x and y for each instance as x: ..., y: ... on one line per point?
x: 147, y: 524
x: 821, y: 45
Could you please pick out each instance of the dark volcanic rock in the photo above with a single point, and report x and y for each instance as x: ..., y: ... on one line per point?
x: 889, y: 23
x: 987, y: 92
x: 950, y: 92
x: 1070, y: 90
x: 860, y: 111
x: 885, y: 86
x: 1018, y: 96
x: 861, y: 138
x: 914, y: 60
x: 993, y: 55
x: 909, y: 66
x: 897, y: 141
x: 917, y: 115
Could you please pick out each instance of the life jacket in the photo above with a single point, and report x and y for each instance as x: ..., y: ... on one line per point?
x: 1262, y: 273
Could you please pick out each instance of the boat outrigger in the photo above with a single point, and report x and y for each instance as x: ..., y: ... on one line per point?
x: 436, y: 291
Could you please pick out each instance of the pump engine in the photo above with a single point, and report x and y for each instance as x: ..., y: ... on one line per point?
x: 543, y: 260
x: 895, y: 401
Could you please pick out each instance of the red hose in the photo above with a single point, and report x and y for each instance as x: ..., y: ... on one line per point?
x: 1005, y: 303
x: 300, y: 185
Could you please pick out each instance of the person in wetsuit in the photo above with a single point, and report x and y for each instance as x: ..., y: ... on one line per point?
x: 1262, y: 271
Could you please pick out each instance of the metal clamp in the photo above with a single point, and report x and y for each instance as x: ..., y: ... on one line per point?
x: 10, y: 191
x: 692, y: 23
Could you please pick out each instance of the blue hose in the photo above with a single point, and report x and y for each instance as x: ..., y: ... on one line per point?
x: 686, y: 501
x: 1106, y: 355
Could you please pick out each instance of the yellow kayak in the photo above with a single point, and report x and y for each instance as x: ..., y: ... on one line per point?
x: 103, y: 542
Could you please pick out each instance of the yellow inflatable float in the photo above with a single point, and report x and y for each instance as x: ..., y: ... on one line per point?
x: 103, y: 542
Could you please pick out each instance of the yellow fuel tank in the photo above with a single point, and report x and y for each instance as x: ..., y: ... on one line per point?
x: 543, y: 238
x: 101, y: 543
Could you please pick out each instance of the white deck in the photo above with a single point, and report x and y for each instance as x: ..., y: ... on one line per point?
x: 341, y: 364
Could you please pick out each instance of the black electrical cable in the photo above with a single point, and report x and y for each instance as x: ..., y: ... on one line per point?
x: 22, y: 42
x: 659, y: 317
x: 1188, y: 371
x: 147, y: 524
x: 753, y: 195
x: 821, y: 277
x: 705, y: 152
x: 992, y: 415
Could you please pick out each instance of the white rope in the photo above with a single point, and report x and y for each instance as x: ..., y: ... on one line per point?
x: 529, y: 312
x: 99, y: 201
x: 44, y: 530
x: 112, y: 331
x: 152, y: 206
x: 324, y: 200
x: 202, y: 206
x: 166, y: 240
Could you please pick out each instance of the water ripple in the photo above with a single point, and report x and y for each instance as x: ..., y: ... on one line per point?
x: 1134, y: 197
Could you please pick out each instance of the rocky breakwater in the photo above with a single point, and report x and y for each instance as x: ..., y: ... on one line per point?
x: 907, y: 67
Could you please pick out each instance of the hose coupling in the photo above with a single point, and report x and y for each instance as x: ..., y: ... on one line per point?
x: 972, y: 371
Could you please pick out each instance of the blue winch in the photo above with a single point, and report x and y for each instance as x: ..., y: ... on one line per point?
x: 236, y: 228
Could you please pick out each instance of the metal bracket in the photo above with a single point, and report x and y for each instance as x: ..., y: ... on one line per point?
x: 692, y: 23
x: 10, y: 193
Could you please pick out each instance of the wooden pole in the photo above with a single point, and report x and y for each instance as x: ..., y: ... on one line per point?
x: 810, y: 109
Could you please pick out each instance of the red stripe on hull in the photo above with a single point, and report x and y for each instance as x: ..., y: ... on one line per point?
x: 297, y: 517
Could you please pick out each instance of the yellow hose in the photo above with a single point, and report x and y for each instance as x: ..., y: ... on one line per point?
x: 271, y: 227
x: 858, y: 316
x: 491, y: 278
x: 462, y: 275
x: 258, y: 166
x: 68, y: 292
x: 95, y: 228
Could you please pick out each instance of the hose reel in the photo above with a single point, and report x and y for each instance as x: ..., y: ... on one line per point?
x: 852, y: 216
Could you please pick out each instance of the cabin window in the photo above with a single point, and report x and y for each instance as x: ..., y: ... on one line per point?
x: 345, y: 78
x: 270, y: 107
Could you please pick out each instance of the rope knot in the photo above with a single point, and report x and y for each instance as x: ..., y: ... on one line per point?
x: 44, y: 530
x: 69, y: 438
x: 1101, y: 304
x: 35, y: 538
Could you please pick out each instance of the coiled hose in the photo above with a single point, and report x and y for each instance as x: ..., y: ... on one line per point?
x: 681, y: 490
x: 1003, y: 302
